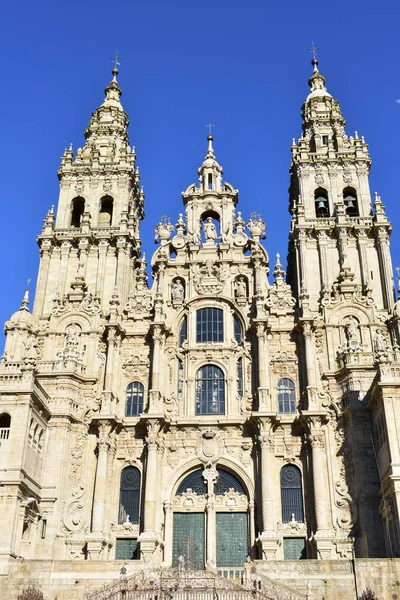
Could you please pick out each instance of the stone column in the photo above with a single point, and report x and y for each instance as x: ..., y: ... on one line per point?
x: 101, y: 267
x: 168, y: 533
x: 386, y: 265
x: 100, y: 490
x: 322, y: 244
x: 62, y: 275
x: 149, y: 539
x: 263, y: 374
x: 324, y: 532
x: 211, y: 529
x: 41, y: 287
x: 111, y: 345
x: 268, y: 538
x: 121, y: 278
x: 155, y: 372
x: 302, y: 258
x: 362, y: 239
x: 311, y: 366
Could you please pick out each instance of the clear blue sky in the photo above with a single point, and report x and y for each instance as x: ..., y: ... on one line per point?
x: 243, y: 66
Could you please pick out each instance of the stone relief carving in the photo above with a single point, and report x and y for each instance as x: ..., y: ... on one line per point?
x: 209, y: 277
x: 208, y: 447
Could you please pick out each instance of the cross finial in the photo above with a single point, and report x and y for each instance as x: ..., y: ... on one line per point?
x: 28, y: 284
x: 313, y: 49
x: 116, y: 60
x: 210, y: 126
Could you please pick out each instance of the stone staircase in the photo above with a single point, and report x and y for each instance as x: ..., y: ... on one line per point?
x: 181, y: 584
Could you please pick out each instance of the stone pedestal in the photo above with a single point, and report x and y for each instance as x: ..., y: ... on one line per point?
x: 98, y: 548
x: 269, y: 545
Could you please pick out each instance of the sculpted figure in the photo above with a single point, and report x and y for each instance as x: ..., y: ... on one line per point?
x: 241, y: 291
x: 178, y: 291
x: 380, y: 344
x: 209, y: 229
x: 352, y: 331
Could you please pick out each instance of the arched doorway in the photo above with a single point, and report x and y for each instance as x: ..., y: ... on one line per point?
x: 210, y: 521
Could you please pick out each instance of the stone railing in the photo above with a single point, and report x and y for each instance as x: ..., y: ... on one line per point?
x: 4, y: 433
x: 181, y: 584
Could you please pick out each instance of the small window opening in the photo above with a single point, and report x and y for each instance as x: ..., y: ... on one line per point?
x: 350, y: 202
x: 183, y: 332
x: 44, y: 526
x: 240, y: 377
x: 237, y: 330
x: 78, y: 208
x: 321, y: 203
x: 106, y: 211
x: 324, y: 140
x: 210, y: 181
x: 5, y: 423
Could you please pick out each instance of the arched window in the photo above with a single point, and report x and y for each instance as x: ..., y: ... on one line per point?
x: 291, y: 494
x: 226, y: 481
x: 129, y: 495
x: 180, y: 378
x: 195, y: 482
x: 5, y: 424
x: 106, y: 211
x: 350, y: 201
x: 321, y: 203
x: 286, y: 396
x: 237, y: 330
x: 134, y: 399
x: 209, y: 325
x: 240, y: 377
x: 210, y: 391
x: 183, y: 332
x: 78, y: 208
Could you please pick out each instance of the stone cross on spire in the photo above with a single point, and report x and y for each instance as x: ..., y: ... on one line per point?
x: 210, y: 126
x: 313, y: 49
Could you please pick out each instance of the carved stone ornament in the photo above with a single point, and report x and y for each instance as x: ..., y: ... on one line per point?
x: 189, y: 499
x: 136, y: 364
x: 209, y: 277
x: 91, y: 304
x: 208, y: 447
x: 73, y: 518
x: 232, y: 500
x: 280, y: 299
x: 138, y: 304
x: 348, y: 512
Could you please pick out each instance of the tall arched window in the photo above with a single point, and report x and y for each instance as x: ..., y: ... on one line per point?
x: 106, y: 211
x: 209, y: 325
x: 180, y: 378
x: 183, y: 332
x: 321, y: 203
x: 240, y: 377
x: 237, y: 330
x: 129, y: 495
x: 291, y: 494
x: 350, y: 201
x: 78, y: 208
x: 5, y: 424
x: 134, y: 399
x: 210, y: 391
x: 286, y: 396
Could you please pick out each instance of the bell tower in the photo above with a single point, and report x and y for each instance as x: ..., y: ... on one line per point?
x: 338, y: 233
x: 95, y: 234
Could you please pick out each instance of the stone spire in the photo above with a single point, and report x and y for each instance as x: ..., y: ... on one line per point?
x: 210, y: 172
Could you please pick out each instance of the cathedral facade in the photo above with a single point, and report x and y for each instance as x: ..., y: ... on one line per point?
x: 215, y: 418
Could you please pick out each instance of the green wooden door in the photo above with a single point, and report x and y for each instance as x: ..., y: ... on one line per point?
x: 232, y: 539
x: 188, y: 540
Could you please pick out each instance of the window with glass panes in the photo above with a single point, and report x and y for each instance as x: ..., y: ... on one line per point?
x: 210, y: 325
x: 291, y: 494
x: 237, y: 329
x: 210, y: 391
x: 134, y: 399
x: 129, y: 495
x: 286, y: 396
x: 183, y: 332
x: 240, y: 377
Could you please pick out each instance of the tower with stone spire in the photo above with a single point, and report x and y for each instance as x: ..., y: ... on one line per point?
x: 95, y: 237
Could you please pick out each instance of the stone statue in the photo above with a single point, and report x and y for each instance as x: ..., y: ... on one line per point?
x: 352, y: 331
x: 380, y: 344
x: 240, y: 288
x: 71, y: 336
x: 178, y: 291
x: 209, y: 230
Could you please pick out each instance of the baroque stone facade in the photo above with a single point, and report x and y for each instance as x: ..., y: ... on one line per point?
x: 214, y: 417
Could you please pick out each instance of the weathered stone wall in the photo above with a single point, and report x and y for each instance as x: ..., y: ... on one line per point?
x: 316, y: 579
